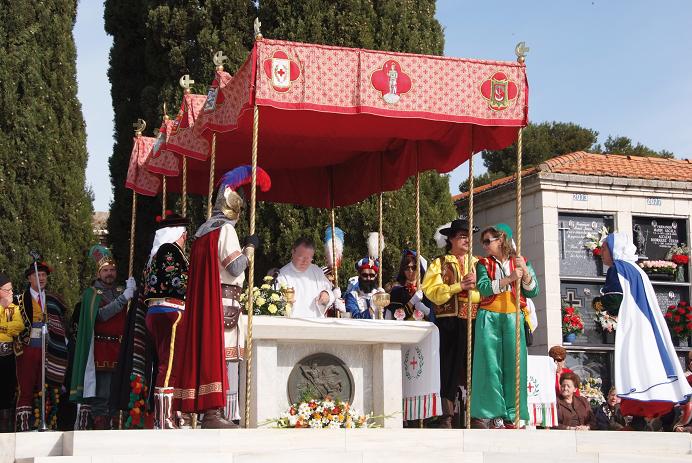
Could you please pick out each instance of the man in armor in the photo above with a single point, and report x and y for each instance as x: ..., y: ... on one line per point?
x: 207, y: 369
x: 99, y: 335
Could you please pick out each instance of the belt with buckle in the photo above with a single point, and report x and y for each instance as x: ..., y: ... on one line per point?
x: 6, y: 349
x: 100, y: 337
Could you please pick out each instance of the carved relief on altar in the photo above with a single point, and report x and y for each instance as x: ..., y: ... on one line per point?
x: 318, y: 376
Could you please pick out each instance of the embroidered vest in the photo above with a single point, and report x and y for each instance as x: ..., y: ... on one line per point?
x: 457, y: 305
x: 504, y: 302
x: 107, y: 338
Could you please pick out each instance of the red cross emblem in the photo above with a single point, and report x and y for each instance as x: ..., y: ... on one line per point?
x: 413, y: 363
x: 281, y: 71
x: 499, y: 91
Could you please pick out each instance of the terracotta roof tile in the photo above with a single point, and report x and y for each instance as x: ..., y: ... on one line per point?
x: 607, y: 165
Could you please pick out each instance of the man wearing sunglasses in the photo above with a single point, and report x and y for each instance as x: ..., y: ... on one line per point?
x: 359, y: 301
x: 449, y: 282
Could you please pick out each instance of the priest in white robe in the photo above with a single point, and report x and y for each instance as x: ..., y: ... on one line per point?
x: 313, y: 291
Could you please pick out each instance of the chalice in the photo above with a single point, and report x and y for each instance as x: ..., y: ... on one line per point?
x: 290, y: 296
x: 380, y: 300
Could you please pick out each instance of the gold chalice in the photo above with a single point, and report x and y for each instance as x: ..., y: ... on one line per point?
x: 380, y: 301
x: 290, y: 296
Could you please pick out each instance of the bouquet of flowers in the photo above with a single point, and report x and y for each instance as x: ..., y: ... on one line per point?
x: 606, y: 321
x: 658, y: 266
x: 679, y: 254
x: 267, y: 299
x: 571, y: 321
x: 591, y: 390
x: 323, y: 413
x: 679, y: 319
x: 594, y: 242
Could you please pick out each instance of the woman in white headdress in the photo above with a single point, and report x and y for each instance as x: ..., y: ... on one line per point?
x: 648, y: 375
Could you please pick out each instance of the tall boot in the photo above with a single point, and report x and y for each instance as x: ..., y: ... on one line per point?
x: 6, y: 420
x: 163, y: 406
x: 83, y: 418
x: 23, y: 418
x: 445, y: 421
x: 214, y: 419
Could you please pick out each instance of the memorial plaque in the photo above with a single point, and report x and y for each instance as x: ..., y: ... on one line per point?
x: 592, y: 364
x: 654, y: 237
x: 668, y: 295
x: 575, y: 259
x: 318, y: 376
x: 580, y: 296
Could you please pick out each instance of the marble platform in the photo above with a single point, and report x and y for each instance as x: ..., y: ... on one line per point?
x: 371, y: 349
x: 345, y: 445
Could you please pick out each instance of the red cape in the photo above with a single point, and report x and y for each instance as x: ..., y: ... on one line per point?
x: 200, y: 365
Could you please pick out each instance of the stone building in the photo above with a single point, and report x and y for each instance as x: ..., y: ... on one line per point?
x: 569, y: 196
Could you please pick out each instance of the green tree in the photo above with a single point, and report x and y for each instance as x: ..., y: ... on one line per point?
x: 44, y: 204
x: 154, y: 43
x: 623, y: 145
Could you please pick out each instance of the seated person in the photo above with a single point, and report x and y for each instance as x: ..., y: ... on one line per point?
x: 573, y: 412
x: 407, y: 300
x: 313, y: 291
x: 608, y: 416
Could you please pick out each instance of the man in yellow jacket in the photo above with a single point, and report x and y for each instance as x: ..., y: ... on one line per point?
x: 449, y: 282
x: 11, y: 325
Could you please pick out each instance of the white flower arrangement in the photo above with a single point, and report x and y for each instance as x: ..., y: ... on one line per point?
x: 591, y: 390
x: 267, y: 299
x: 321, y: 414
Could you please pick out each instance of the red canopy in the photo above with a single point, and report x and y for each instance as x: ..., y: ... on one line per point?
x: 340, y: 124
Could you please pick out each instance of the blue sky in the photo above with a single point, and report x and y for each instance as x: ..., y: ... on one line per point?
x: 616, y: 66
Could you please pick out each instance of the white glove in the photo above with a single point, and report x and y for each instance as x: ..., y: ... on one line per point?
x: 131, y: 283
x: 340, y: 305
x: 417, y: 297
x: 337, y: 293
x: 422, y: 307
x: 130, y: 287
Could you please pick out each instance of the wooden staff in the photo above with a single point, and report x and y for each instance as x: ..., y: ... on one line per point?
x: 517, y: 287
x: 520, y: 50
x: 163, y: 196
x: 184, y: 189
x: 251, y: 271
x: 469, y: 307
x: 212, y: 160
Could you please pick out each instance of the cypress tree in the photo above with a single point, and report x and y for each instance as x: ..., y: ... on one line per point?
x: 154, y: 44
x: 44, y: 204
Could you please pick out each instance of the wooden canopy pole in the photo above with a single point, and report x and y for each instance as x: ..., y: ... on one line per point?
x: 520, y: 51
x: 469, y: 308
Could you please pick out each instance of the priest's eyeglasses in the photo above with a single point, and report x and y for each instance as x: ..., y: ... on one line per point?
x: 7, y: 290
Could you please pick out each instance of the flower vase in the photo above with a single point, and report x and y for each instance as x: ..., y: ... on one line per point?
x: 570, y: 337
x: 608, y: 337
x: 680, y: 274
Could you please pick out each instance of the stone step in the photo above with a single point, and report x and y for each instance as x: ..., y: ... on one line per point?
x: 438, y: 445
x: 392, y: 456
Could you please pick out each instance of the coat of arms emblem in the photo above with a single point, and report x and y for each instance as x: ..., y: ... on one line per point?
x: 281, y: 71
x: 391, y: 81
x: 499, y: 91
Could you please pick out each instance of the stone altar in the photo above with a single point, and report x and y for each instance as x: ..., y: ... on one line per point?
x: 371, y: 349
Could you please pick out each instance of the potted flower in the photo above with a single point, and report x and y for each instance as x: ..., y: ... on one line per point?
x: 659, y: 269
x: 268, y: 299
x: 591, y: 390
x: 679, y: 319
x: 572, y: 324
x: 679, y: 255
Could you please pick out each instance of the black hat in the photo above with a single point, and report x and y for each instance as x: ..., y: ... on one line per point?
x: 456, y: 226
x: 172, y: 220
x: 42, y: 267
x: 3, y: 279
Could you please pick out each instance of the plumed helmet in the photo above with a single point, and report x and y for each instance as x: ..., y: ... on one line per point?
x: 228, y: 201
